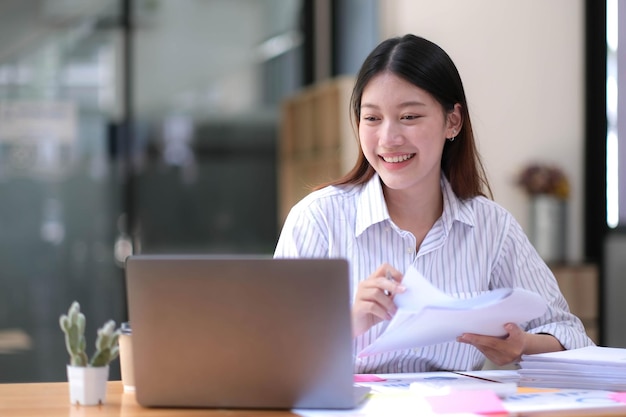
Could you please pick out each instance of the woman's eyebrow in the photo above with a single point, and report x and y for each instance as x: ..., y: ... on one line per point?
x: 368, y: 105
x: 411, y: 103
x: 400, y: 106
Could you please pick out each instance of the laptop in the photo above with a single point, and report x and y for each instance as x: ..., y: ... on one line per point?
x: 241, y: 332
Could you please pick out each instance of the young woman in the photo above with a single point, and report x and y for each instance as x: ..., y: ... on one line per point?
x: 418, y: 195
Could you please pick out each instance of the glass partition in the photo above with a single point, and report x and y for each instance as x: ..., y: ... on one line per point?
x: 205, y: 81
x: 208, y: 80
x: 58, y: 183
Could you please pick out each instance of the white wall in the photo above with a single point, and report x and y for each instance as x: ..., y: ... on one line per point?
x: 522, y: 65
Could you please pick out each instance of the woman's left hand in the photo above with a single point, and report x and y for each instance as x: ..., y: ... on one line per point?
x: 500, y: 350
x: 510, y: 348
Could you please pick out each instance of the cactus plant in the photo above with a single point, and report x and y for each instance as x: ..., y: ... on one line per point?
x: 73, y: 325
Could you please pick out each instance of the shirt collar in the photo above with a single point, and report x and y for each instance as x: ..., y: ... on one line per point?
x: 372, y: 209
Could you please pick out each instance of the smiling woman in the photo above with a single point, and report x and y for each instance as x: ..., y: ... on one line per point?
x: 416, y: 197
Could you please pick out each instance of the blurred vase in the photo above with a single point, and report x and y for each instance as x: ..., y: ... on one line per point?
x: 547, y: 232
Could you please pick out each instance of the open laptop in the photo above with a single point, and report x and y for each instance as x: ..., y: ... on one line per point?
x: 241, y: 332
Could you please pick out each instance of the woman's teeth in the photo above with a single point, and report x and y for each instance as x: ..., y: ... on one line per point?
x: 399, y: 158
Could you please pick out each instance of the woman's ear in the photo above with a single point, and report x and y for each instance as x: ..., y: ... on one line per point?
x: 454, y: 121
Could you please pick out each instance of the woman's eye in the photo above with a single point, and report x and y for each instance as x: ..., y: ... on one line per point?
x: 410, y: 117
x: 369, y: 118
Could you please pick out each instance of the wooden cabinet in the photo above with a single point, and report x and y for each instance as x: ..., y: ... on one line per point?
x: 579, y: 284
x: 317, y: 141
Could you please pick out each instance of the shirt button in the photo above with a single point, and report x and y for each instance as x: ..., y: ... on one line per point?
x: 409, y: 250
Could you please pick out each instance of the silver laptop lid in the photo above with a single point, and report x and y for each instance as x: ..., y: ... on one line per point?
x: 240, y: 332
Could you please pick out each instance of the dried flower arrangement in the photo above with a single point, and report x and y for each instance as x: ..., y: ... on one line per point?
x: 544, y: 179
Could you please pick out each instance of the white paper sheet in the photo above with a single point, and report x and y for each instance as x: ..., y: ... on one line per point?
x: 591, y: 367
x: 427, y: 316
x: 589, y: 355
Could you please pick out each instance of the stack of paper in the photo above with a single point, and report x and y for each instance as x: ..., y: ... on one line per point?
x: 592, y: 367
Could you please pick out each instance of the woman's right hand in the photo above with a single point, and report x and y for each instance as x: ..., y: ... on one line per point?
x: 373, y: 301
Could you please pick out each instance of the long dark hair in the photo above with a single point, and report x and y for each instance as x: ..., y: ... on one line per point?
x: 429, y: 67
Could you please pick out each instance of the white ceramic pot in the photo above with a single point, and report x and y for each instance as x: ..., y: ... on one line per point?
x: 88, y: 384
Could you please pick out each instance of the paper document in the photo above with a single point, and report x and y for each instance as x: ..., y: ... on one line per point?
x: 591, y: 367
x: 591, y: 355
x: 427, y: 316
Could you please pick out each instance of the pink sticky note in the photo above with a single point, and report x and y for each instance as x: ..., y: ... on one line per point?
x: 367, y: 378
x: 618, y: 396
x: 469, y: 401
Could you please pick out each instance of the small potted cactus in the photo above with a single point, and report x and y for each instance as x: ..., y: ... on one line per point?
x: 88, y: 377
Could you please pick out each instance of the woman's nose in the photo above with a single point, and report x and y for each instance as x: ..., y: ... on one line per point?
x: 390, y: 135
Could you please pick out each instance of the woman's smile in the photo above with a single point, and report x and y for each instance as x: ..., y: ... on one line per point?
x: 397, y: 158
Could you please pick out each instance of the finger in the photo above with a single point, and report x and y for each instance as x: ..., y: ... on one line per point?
x: 500, y: 350
x: 499, y: 356
x: 390, y: 286
x: 488, y: 345
x: 373, y: 296
x: 377, y: 310
x: 384, y: 270
x: 477, y: 339
x: 395, y: 274
x: 386, y: 302
x: 513, y: 330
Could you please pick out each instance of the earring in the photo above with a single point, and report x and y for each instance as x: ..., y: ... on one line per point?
x: 453, y: 136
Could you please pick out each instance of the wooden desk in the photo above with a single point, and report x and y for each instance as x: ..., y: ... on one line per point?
x: 52, y: 400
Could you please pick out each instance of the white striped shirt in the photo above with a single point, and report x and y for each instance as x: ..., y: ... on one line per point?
x: 475, y: 246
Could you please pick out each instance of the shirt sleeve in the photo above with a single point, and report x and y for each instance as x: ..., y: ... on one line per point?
x: 519, y: 265
x: 303, y: 233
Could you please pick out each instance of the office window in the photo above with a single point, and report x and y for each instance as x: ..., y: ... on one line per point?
x: 616, y: 170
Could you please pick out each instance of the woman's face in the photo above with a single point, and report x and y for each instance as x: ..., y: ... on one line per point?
x: 402, y: 131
